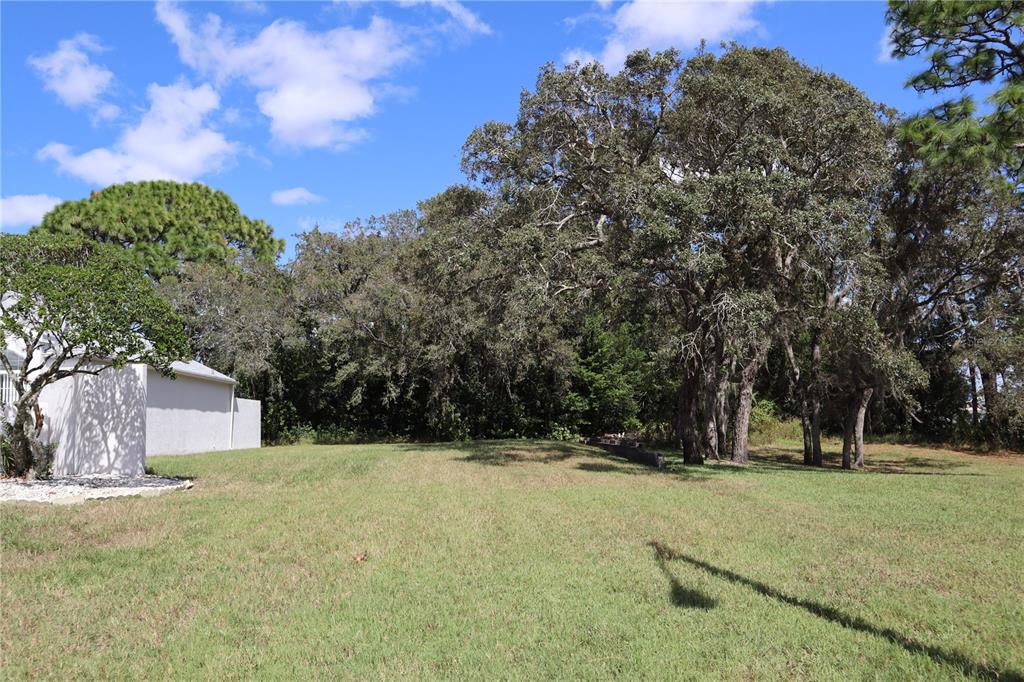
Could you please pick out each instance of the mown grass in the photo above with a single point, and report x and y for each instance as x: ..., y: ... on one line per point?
x: 525, y: 560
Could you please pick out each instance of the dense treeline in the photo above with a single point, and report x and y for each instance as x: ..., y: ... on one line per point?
x: 670, y: 250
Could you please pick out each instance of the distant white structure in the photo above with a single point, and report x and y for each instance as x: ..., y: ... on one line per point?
x: 108, y: 423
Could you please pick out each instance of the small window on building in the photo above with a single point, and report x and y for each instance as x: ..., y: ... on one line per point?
x: 8, y: 392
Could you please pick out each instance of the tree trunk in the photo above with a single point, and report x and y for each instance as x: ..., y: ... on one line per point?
x: 991, y: 394
x: 741, y: 434
x: 687, y: 421
x: 816, y: 459
x: 815, y: 403
x: 21, y: 441
x: 712, y: 447
x: 862, y: 408
x: 974, y: 394
x: 721, y: 414
x: 848, y: 428
x: 801, y: 390
x: 805, y: 428
x: 714, y: 376
x: 680, y: 425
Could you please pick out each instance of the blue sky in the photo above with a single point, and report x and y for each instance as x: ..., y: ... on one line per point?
x: 309, y: 112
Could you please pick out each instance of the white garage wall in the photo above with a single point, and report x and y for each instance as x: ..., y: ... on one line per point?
x: 186, y: 415
x: 98, y: 422
x: 247, y: 424
x: 109, y: 423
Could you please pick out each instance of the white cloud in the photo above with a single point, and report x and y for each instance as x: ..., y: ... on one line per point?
x: 107, y: 111
x: 70, y: 73
x: 171, y: 141
x: 23, y: 210
x: 311, y: 85
x: 252, y: 7
x: 463, y: 16
x: 295, y: 196
x: 885, y: 47
x: 658, y: 25
x: 467, y: 19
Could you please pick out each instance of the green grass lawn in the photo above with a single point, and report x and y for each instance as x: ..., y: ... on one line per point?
x: 525, y: 560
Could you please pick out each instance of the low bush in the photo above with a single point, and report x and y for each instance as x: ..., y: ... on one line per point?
x: 563, y: 433
x: 334, y: 435
x: 660, y: 433
x: 768, y: 424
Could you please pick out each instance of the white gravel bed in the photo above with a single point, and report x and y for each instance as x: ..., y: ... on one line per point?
x: 78, y: 489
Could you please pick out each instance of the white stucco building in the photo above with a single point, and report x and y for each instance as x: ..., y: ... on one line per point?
x: 108, y: 423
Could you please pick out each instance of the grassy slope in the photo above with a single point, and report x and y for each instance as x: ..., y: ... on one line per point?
x: 525, y: 560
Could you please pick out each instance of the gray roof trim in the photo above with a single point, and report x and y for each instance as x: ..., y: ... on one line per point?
x: 197, y: 370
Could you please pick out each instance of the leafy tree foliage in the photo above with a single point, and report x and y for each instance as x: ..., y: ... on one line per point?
x: 164, y: 224
x: 644, y: 250
x: 74, y: 307
x: 969, y: 44
x: 950, y: 242
x: 679, y: 249
x: 712, y: 185
x: 966, y: 43
x: 237, y: 319
x: 610, y: 379
x: 860, y: 361
x: 419, y: 333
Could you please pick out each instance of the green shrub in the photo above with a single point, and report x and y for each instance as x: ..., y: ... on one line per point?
x: 788, y: 430
x: 42, y: 462
x: 563, y: 433
x: 333, y: 435
x: 654, y: 433
x: 449, y: 424
x: 280, y: 422
x: 765, y: 424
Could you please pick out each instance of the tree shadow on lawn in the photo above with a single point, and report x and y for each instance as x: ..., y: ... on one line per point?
x: 955, y: 659
x: 506, y: 452
x: 769, y: 460
x: 775, y: 458
x: 504, y: 457
x: 762, y: 460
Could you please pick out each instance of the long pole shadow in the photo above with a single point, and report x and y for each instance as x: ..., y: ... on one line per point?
x: 954, y: 659
x: 682, y: 596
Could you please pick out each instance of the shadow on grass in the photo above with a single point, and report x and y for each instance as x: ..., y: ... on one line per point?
x: 613, y: 464
x: 503, y: 457
x: 954, y: 659
x: 762, y: 460
x: 609, y: 468
x: 776, y: 458
x: 510, y: 452
x: 683, y: 597
x: 503, y: 452
x: 150, y: 471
